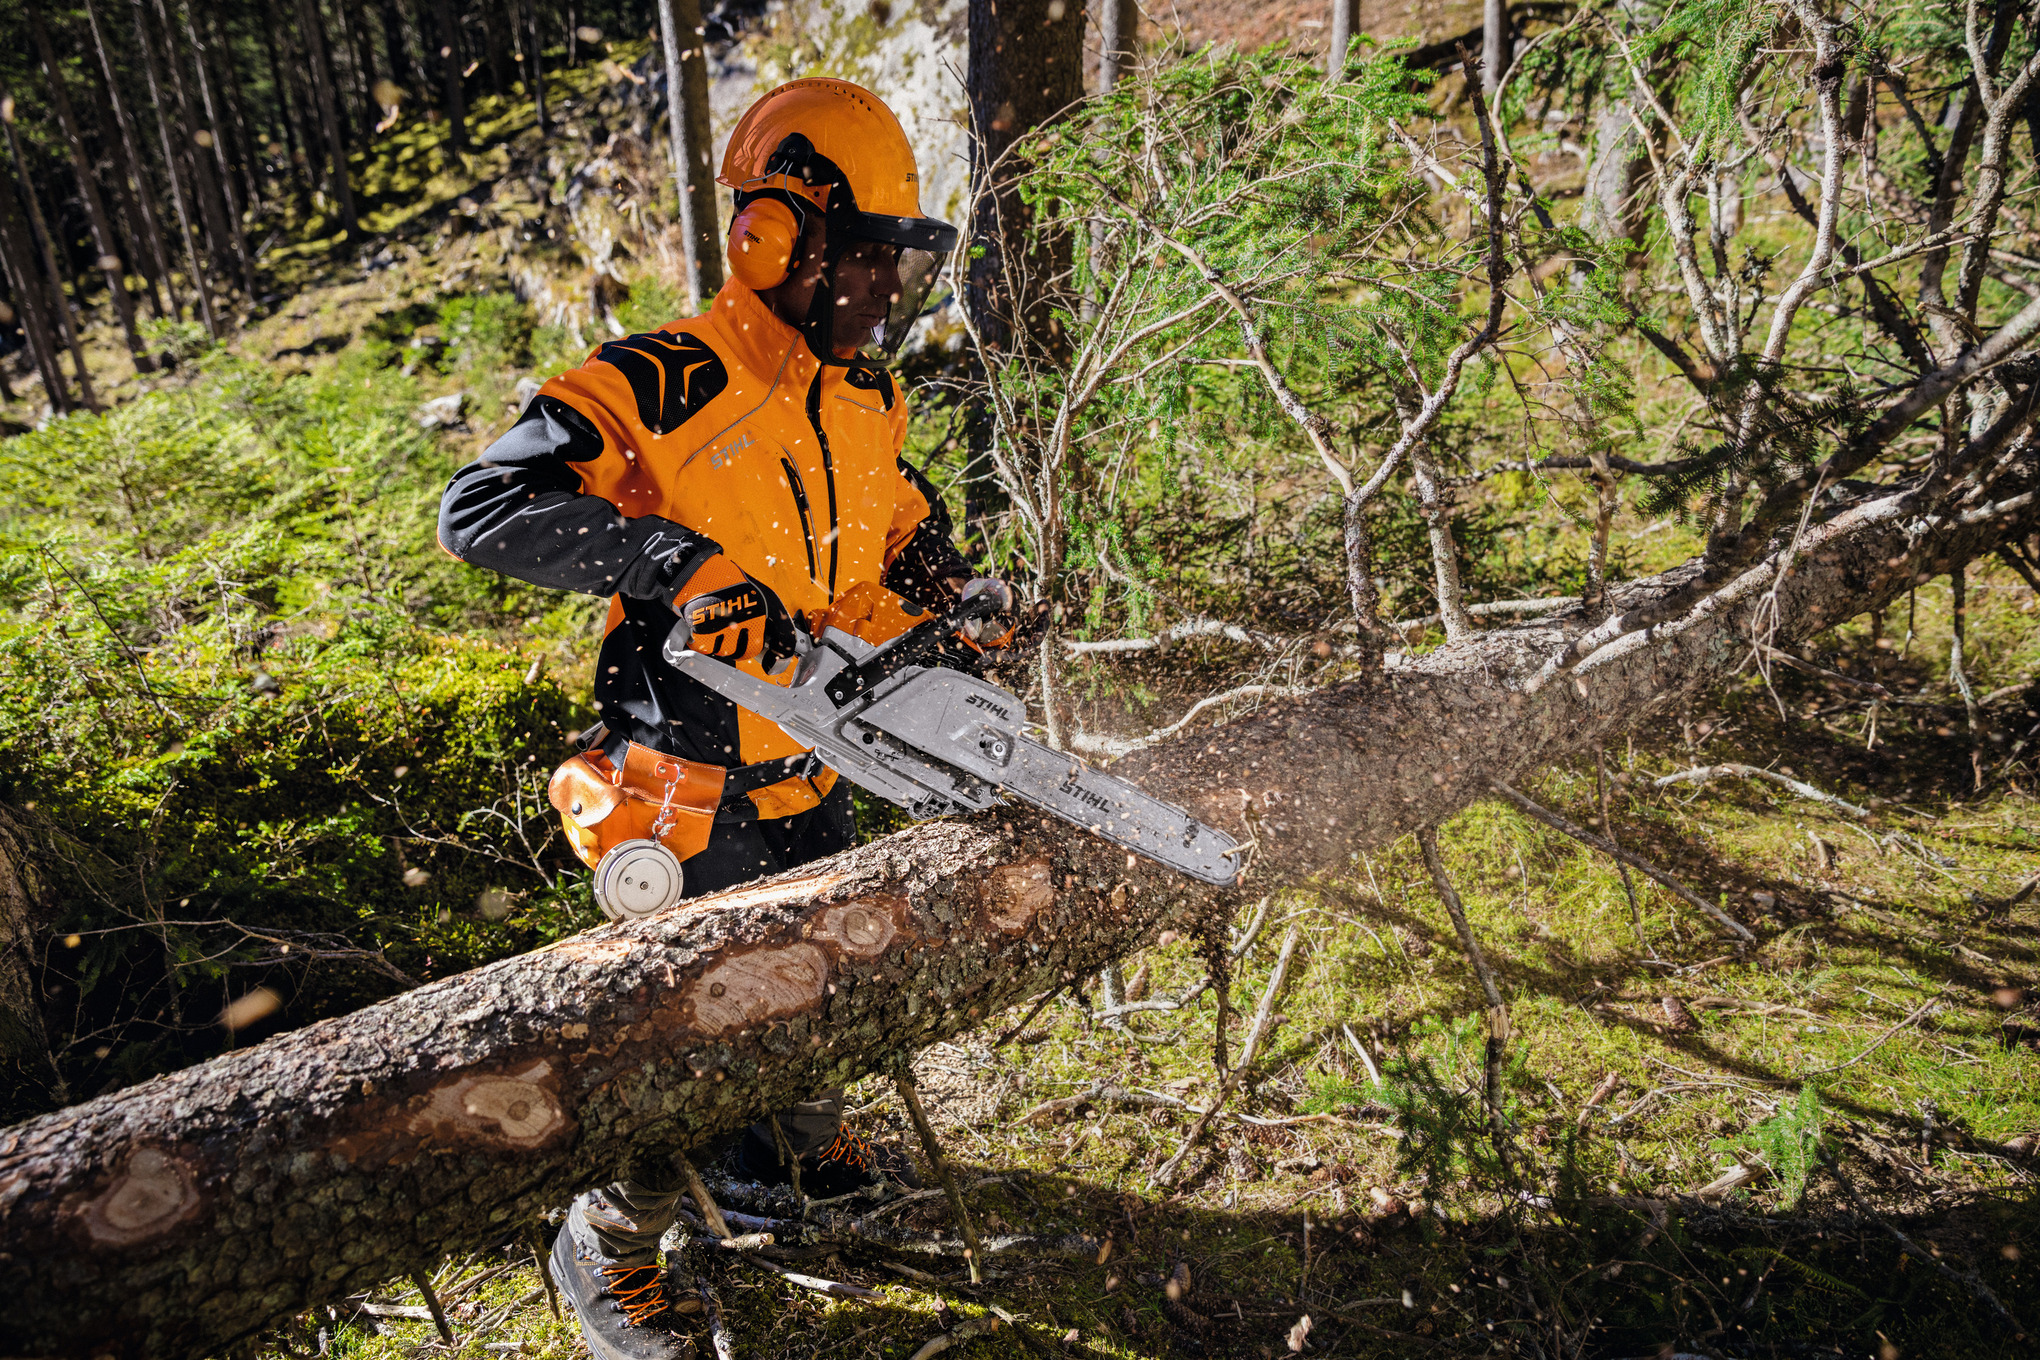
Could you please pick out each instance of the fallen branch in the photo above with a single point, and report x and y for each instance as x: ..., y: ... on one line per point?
x: 1113, y: 747
x: 1606, y: 847
x: 1876, y: 1044
x: 833, y: 1288
x: 931, y: 1145
x: 1167, y: 1173
x: 1703, y: 773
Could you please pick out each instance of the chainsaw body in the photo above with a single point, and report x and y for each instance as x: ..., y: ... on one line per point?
x: 938, y: 741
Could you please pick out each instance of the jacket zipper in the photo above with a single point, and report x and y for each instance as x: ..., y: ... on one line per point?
x: 814, y: 412
x: 807, y: 524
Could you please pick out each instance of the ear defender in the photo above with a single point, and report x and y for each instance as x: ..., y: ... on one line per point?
x: 761, y: 244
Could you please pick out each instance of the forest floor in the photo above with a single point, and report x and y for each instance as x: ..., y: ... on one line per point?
x: 1895, y: 982
x: 1881, y: 1039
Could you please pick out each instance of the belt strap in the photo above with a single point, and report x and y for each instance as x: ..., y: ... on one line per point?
x: 748, y: 779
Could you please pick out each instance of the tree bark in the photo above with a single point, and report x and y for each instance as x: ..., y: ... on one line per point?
x: 1497, y: 45
x: 296, y: 130
x: 397, y: 47
x: 199, y: 1208
x: 24, y: 280
x: 136, y: 169
x: 453, y: 97
x: 214, y: 141
x: 492, y: 45
x: 534, y: 69
x: 360, y: 68
x: 178, y: 198
x: 103, y: 239
x: 29, y: 1083
x: 228, y: 77
x: 1026, y: 66
x: 687, y: 113
x: 1118, y: 40
x: 39, y: 231
x: 1345, y: 22
x: 196, y: 143
x: 337, y: 178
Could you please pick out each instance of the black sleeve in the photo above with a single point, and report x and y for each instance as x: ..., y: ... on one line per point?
x: 922, y: 569
x: 519, y: 509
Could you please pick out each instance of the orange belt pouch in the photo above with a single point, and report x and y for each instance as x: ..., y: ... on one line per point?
x: 652, y: 797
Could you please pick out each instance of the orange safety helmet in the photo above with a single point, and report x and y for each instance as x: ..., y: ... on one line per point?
x: 827, y: 146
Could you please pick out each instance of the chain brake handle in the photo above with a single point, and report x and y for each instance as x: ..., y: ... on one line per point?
x: 907, y: 648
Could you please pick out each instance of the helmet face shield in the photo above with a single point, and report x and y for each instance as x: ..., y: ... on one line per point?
x: 919, y: 271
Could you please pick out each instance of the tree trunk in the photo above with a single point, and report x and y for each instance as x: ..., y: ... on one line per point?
x: 214, y: 141
x: 397, y: 47
x: 337, y: 180
x: 136, y: 168
x: 1345, y: 22
x: 199, y: 1208
x: 1118, y: 40
x: 39, y: 230
x: 295, y: 129
x: 680, y: 28
x: 534, y: 67
x: 492, y: 45
x: 1497, y: 45
x: 1026, y: 66
x: 453, y: 98
x: 196, y: 144
x: 228, y: 77
x: 178, y: 196
x: 103, y: 239
x: 360, y: 70
x: 24, y: 280
x: 29, y: 1083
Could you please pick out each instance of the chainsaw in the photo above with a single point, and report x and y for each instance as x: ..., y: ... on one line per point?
x: 938, y: 741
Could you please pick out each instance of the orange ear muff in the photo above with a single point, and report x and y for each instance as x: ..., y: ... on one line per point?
x: 761, y: 244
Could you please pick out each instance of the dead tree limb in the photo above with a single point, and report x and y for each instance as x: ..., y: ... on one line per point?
x: 1616, y: 852
x: 207, y: 1205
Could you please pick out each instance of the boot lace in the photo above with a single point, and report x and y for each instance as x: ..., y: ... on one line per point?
x: 850, y: 1150
x: 639, y: 1290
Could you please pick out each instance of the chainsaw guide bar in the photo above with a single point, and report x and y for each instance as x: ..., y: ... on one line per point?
x: 938, y: 741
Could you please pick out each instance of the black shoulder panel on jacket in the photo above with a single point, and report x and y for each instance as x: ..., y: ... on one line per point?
x: 873, y: 380
x: 671, y: 376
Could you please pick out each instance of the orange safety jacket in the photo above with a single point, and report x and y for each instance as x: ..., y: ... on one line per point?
x: 717, y: 433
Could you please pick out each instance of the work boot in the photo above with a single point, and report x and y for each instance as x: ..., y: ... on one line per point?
x: 849, y: 1163
x: 620, y: 1300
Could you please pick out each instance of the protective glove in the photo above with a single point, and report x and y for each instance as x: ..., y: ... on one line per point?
x: 1003, y: 628
x: 727, y: 615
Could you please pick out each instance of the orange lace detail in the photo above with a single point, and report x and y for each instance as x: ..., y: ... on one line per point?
x: 851, y: 1149
x: 642, y: 1301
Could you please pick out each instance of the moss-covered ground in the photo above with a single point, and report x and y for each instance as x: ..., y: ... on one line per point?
x: 1883, y: 1025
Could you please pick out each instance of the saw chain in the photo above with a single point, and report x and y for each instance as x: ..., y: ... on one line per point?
x: 938, y: 741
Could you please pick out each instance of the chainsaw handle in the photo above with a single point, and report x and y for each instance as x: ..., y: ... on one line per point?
x: 905, y: 649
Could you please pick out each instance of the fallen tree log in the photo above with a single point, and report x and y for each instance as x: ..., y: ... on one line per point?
x: 183, y: 1216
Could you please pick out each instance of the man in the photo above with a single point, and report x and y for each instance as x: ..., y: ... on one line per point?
x: 725, y: 480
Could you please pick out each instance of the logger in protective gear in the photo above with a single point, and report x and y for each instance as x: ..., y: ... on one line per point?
x: 730, y: 477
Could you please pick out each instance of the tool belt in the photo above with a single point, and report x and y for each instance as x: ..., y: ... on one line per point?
x: 654, y: 796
